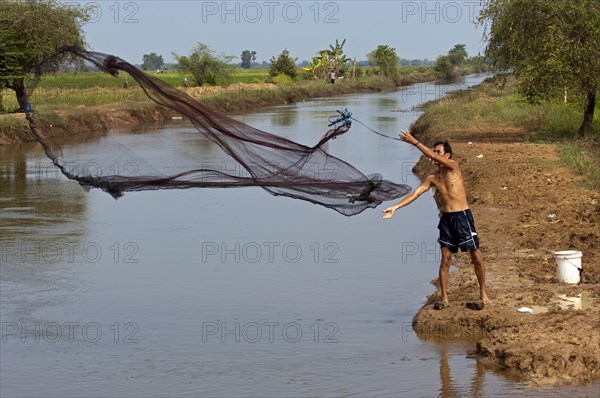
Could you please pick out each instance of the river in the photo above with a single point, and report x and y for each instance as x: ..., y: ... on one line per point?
x: 227, y: 292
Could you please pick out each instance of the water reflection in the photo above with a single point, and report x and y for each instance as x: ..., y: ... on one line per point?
x: 35, y: 195
x: 456, y: 381
x: 448, y: 386
x: 42, y: 234
x: 387, y: 103
x: 285, y: 116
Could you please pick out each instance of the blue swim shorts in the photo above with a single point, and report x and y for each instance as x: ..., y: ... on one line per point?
x: 457, y: 230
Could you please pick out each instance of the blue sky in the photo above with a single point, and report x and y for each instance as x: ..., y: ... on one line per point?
x: 417, y: 29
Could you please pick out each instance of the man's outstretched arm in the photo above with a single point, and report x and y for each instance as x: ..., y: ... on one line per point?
x: 421, y: 189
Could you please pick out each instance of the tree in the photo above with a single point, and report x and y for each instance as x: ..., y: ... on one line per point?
x: 386, y: 59
x: 152, y: 61
x: 457, y: 55
x: 549, y: 45
x: 330, y: 61
x: 339, y: 60
x: 283, y: 64
x: 247, y: 58
x: 319, y: 66
x: 10, y: 53
x: 443, y: 65
x: 479, y: 62
x: 206, y: 66
x: 447, y: 65
x: 36, y: 30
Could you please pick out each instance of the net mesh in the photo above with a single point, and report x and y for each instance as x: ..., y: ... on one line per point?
x: 278, y: 165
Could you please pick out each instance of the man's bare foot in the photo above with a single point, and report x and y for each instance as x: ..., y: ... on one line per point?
x: 484, y: 298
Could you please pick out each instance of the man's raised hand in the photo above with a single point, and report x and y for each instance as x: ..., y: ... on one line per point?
x: 407, y: 137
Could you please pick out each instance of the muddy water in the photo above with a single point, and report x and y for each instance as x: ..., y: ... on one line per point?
x: 226, y: 292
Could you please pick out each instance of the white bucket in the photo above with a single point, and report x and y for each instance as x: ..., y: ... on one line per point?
x: 569, y: 266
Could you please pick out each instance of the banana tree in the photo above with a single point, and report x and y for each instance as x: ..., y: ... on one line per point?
x: 320, y: 66
x: 330, y: 62
x: 338, y: 59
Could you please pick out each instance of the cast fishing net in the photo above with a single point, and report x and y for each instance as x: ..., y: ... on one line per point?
x: 276, y: 164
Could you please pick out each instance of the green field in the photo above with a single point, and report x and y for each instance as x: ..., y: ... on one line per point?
x: 65, y: 90
x: 68, y: 90
x: 175, y: 78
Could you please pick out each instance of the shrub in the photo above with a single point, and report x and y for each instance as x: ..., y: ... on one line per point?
x: 283, y: 64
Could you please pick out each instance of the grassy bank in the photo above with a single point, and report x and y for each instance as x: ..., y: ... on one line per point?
x: 77, y: 103
x: 66, y: 90
x: 500, y: 114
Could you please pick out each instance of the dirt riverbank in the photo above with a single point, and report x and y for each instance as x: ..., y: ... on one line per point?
x: 526, y: 205
x: 237, y: 97
x: 14, y: 128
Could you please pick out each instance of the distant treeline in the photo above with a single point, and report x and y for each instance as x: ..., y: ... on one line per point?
x: 303, y: 64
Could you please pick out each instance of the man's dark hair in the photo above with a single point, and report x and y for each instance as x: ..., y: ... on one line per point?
x: 447, y: 147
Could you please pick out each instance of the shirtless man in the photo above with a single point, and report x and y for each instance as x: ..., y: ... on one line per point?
x: 457, y: 228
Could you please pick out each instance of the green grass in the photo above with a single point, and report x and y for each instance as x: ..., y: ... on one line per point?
x: 67, y: 98
x: 491, y: 108
x: 256, y: 75
x: 69, y: 90
x: 581, y: 160
x: 414, y: 69
x: 241, y: 99
x: 83, y: 80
